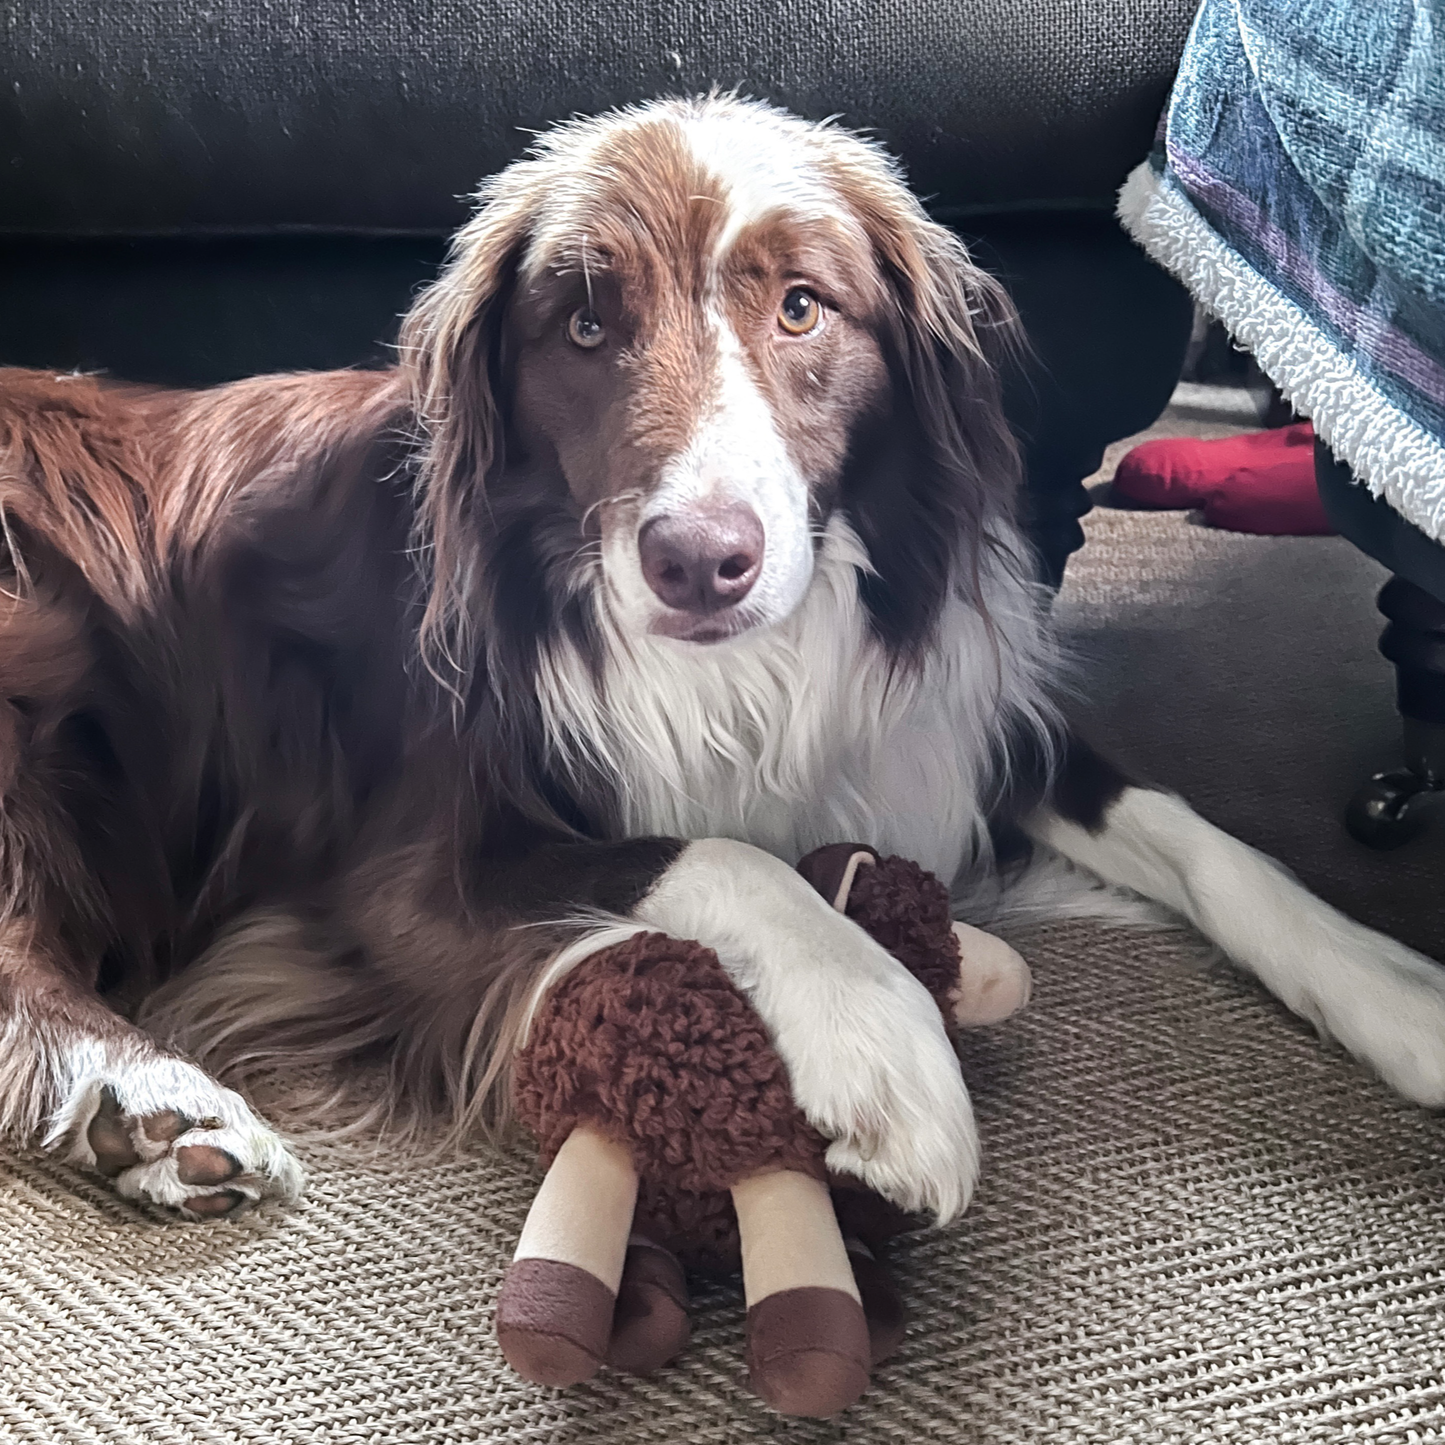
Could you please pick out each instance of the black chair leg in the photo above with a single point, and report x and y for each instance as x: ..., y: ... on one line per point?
x: 1385, y: 812
x: 1054, y: 501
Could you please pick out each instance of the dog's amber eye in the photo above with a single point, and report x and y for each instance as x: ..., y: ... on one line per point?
x: 584, y: 328
x: 800, y: 312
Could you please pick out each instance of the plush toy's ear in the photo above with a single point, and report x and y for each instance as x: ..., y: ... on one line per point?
x: 832, y: 869
x: 975, y: 978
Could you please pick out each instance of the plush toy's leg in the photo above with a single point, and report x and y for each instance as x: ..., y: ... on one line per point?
x: 807, y: 1338
x: 883, y: 1306
x: 650, y: 1324
x: 993, y: 980
x: 555, y: 1309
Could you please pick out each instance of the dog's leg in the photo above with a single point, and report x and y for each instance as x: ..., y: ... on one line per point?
x: 864, y: 1044
x: 1382, y: 1001
x: 101, y: 1094
x: 448, y: 984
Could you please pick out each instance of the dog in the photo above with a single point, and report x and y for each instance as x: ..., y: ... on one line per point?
x: 343, y: 713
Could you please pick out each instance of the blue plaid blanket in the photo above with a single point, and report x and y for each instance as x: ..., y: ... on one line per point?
x: 1297, y: 188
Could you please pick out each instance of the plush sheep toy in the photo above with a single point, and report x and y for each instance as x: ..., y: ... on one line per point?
x: 670, y: 1136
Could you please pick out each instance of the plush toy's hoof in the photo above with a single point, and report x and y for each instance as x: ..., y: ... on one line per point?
x: 553, y: 1321
x: 883, y: 1306
x: 650, y: 1325
x: 808, y: 1351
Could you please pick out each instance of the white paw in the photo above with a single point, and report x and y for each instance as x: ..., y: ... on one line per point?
x: 1386, y: 1005
x: 863, y: 1041
x: 874, y: 1071
x: 168, y: 1134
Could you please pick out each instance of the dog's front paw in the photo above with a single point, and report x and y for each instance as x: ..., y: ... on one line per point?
x: 882, y: 1081
x: 864, y: 1044
x: 167, y: 1134
x: 1386, y: 1005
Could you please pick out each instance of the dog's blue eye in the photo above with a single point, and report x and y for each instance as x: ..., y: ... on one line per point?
x: 800, y: 312
x: 584, y: 328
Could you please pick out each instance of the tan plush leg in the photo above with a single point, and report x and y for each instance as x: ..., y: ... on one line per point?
x: 993, y: 980
x: 807, y: 1339
x: 554, y: 1312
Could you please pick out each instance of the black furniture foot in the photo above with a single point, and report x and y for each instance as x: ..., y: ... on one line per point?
x: 1382, y: 813
x: 1385, y: 812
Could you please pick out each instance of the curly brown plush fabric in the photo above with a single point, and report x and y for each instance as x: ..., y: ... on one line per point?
x: 652, y: 1044
x: 907, y: 910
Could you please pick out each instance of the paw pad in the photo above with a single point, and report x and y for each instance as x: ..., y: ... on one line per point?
x: 205, y: 1164
x: 167, y: 1134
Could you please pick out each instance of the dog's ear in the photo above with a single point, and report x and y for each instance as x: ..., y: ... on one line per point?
x: 450, y: 350
x: 930, y: 479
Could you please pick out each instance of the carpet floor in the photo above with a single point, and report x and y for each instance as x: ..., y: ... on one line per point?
x: 1196, y: 1223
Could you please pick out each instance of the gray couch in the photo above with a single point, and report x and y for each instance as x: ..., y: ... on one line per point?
x: 198, y: 192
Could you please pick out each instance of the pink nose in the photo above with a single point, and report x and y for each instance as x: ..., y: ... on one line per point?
x: 705, y: 560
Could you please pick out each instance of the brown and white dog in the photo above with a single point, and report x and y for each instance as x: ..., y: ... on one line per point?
x: 355, y: 708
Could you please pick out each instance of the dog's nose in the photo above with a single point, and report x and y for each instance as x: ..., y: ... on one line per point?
x: 702, y: 561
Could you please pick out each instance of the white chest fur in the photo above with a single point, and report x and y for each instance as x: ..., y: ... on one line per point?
x: 797, y: 735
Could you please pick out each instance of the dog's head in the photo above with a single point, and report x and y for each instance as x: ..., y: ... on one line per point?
x: 670, y: 345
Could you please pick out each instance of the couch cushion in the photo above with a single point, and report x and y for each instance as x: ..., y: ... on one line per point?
x: 124, y: 116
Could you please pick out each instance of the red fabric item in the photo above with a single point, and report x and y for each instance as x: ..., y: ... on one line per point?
x: 1262, y: 482
x: 1272, y: 501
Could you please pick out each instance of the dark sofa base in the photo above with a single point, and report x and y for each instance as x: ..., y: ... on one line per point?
x: 197, y: 311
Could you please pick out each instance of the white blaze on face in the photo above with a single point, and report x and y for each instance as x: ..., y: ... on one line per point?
x: 761, y: 161
x: 736, y: 455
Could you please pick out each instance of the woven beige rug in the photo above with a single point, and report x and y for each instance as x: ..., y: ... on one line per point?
x: 1196, y: 1224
